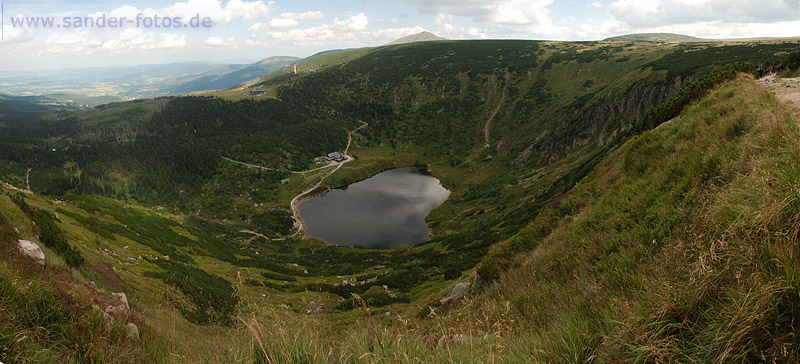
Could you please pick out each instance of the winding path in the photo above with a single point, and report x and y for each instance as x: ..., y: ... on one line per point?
x: 298, y: 222
x: 27, y: 180
x: 273, y: 169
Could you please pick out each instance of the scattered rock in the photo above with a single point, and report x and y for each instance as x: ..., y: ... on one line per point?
x: 315, y: 310
x: 120, y: 307
x: 132, y: 330
x: 460, y: 290
x: 32, y: 250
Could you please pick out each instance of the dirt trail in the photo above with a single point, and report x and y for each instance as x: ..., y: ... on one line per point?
x: 786, y: 89
x: 28, y: 180
x: 496, y: 110
x: 273, y: 169
x: 298, y: 222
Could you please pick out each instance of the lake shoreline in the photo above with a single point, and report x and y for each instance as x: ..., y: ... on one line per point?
x: 383, y: 210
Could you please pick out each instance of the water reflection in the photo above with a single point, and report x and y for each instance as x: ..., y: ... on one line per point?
x: 387, y: 209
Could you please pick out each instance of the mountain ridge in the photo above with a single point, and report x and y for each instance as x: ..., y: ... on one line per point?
x: 424, y: 36
x: 656, y: 37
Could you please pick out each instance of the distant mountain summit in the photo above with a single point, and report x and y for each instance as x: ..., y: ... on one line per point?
x: 277, y: 59
x: 421, y: 37
x: 658, y: 37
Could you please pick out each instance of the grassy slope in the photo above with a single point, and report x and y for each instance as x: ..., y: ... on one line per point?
x: 680, y: 247
x: 46, y: 314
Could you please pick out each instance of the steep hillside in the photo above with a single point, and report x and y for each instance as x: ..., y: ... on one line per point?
x: 53, y: 314
x: 679, y: 247
x: 184, y: 203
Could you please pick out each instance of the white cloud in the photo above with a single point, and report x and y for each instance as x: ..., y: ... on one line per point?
x: 313, y: 36
x: 286, y: 20
x: 522, y: 12
x: 355, y: 22
x: 247, y: 10
x: 213, y: 9
x: 214, y: 41
x: 349, y: 32
x: 258, y: 27
x: 67, y: 38
x: 442, y: 18
x: 446, y: 29
x: 308, y: 16
x: 391, y: 34
x: 13, y: 35
x: 504, y: 11
x: 653, y: 13
x: 283, y: 23
x: 171, y: 40
x: 135, y: 39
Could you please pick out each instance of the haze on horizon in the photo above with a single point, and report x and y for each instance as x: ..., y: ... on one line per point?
x: 256, y: 29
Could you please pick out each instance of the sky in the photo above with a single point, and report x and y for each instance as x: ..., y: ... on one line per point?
x: 239, y: 31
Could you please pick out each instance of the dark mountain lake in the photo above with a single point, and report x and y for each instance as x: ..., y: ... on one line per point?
x: 388, y: 209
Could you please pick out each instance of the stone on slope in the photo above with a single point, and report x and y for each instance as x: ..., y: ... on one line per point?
x: 120, y: 305
x: 32, y: 250
x: 460, y: 290
x: 132, y: 330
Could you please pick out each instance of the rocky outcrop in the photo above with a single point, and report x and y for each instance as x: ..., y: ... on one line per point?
x: 460, y: 290
x: 119, y: 305
x: 32, y: 250
x: 606, y: 121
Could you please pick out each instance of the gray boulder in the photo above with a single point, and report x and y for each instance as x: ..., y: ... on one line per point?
x: 460, y: 290
x: 120, y: 304
x: 132, y: 330
x: 32, y: 250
